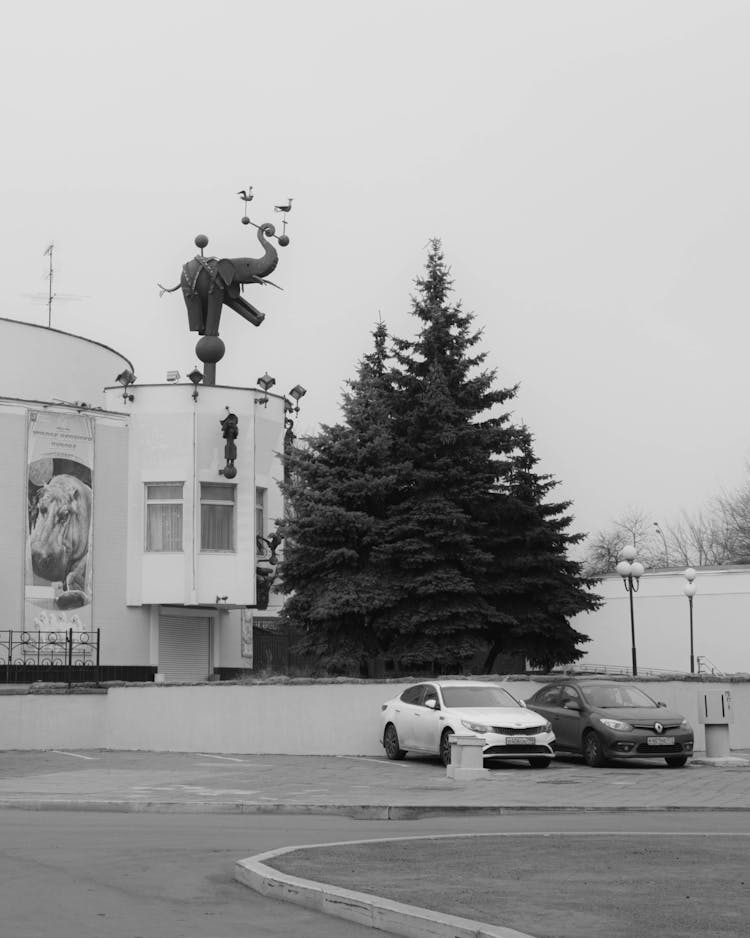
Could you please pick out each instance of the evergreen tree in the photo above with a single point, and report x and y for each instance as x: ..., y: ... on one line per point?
x: 457, y: 450
x: 534, y: 583
x: 417, y: 529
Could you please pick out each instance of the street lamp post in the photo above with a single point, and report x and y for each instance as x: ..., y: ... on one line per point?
x: 689, y: 590
x: 631, y: 572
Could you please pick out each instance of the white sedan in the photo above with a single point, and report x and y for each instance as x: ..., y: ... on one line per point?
x: 423, y: 717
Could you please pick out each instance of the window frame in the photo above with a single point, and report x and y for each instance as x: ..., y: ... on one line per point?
x: 207, y: 503
x: 150, y: 502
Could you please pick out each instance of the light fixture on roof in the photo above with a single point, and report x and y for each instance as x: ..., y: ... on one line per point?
x: 297, y: 392
x: 266, y: 382
x: 173, y: 376
x: 126, y: 378
x: 195, y: 377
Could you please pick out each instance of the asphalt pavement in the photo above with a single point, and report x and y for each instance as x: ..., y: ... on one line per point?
x: 363, y: 787
x: 358, y: 787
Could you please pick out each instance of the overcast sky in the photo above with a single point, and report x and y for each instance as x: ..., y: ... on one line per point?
x: 585, y: 164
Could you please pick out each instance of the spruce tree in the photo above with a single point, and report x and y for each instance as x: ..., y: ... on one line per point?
x: 457, y: 449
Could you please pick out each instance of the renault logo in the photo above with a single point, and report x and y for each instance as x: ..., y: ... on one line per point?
x: 658, y: 727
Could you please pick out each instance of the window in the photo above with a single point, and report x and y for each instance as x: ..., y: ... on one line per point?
x: 260, y: 512
x: 217, y: 516
x: 412, y: 695
x: 164, y: 516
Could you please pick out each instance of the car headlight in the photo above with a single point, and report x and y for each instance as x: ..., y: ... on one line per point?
x: 476, y: 727
x: 547, y: 727
x: 615, y: 724
x: 685, y: 725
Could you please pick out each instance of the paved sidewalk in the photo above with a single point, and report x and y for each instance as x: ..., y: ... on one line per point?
x: 355, y: 786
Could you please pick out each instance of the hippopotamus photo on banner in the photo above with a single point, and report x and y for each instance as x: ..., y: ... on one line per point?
x: 60, y: 526
x: 59, y: 548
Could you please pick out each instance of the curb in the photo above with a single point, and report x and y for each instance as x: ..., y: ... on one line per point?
x: 395, y: 918
x: 356, y: 812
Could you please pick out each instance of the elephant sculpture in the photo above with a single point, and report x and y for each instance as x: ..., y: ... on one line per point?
x: 208, y: 283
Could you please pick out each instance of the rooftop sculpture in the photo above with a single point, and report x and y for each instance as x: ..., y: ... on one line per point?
x: 209, y: 283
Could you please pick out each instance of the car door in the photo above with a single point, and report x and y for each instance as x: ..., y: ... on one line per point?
x: 546, y: 703
x: 568, y: 726
x: 407, y: 716
x: 428, y: 720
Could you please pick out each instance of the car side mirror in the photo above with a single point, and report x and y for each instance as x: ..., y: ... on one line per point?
x: 522, y: 703
x: 572, y: 705
x: 432, y: 704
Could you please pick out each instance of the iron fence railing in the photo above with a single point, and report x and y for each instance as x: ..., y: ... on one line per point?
x: 64, y: 654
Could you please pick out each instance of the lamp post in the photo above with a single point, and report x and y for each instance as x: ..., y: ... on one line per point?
x: 664, y: 542
x: 689, y: 590
x: 631, y: 572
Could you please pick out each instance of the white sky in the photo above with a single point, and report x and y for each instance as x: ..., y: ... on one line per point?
x: 586, y: 165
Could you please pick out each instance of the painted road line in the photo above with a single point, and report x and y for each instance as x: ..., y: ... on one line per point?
x: 75, y: 755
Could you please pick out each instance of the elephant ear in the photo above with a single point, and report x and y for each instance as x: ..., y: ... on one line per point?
x: 225, y: 270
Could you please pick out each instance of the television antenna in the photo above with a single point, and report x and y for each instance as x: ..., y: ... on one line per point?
x: 50, y: 296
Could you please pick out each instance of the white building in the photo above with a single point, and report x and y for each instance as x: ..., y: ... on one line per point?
x: 117, y: 512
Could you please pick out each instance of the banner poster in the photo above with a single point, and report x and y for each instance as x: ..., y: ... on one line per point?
x: 59, y: 496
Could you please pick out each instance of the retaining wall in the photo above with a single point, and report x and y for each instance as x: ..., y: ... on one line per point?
x: 294, y: 718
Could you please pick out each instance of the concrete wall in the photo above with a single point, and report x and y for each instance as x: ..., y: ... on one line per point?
x: 305, y: 718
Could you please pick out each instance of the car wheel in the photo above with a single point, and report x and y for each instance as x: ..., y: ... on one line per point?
x: 445, y: 747
x: 593, y: 751
x: 675, y: 762
x: 539, y: 763
x: 390, y: 740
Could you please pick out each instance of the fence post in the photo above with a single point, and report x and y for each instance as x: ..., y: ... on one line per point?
x: 98, y: 643
x: 10, y: 656
x: 70, y: 657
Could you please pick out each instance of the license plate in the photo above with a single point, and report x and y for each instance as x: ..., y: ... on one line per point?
x: 660, y: 740
x: 519, y: 740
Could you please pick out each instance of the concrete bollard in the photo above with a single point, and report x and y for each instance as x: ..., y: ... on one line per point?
x: 715, y: 712
x: 466, y: 758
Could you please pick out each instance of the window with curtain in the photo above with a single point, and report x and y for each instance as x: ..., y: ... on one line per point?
x: 217, y: 516
x: 260, y: 512
x: 164, y: 516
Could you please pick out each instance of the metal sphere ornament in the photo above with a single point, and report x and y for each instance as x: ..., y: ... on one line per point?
x: 283, y: 240
x: 210, y: 349
x: 201, y: 241
x: 245, y: 220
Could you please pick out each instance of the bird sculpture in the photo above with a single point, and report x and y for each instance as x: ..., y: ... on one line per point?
x: 284, y: 208
x: 246, y: 196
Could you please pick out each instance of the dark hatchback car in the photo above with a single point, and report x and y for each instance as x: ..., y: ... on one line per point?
x: 612, y: 720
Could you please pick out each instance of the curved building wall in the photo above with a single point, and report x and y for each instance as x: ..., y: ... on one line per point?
x: 48, y: 365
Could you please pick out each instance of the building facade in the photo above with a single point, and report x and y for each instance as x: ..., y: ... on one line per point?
x: 133, y: 509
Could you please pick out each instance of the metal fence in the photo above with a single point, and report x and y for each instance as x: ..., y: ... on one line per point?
x: 50, y: 656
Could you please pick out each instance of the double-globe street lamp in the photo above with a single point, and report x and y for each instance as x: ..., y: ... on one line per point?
x: 689, y: 590
x: 631, y: 571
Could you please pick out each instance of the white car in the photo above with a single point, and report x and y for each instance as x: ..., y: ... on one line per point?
x: 423, y: 717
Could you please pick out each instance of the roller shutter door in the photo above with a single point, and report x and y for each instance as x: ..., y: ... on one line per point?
x: 184, y: 648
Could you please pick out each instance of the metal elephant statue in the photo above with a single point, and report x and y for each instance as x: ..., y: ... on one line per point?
x: 208, y: 283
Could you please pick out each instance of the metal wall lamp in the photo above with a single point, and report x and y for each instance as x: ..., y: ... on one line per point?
x: 266, y: 382
x: 195, y: 377
x: 297, y: 392
x: 126, y: 378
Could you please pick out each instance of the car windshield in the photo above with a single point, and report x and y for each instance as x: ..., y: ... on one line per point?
x: 617, y: 695
x: 469, y: 696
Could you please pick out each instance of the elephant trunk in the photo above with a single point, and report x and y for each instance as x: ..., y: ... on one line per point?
x: 248, y: 268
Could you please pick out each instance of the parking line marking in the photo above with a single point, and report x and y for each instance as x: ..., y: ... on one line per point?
x: 396, y: 765
x: 76, y: 755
